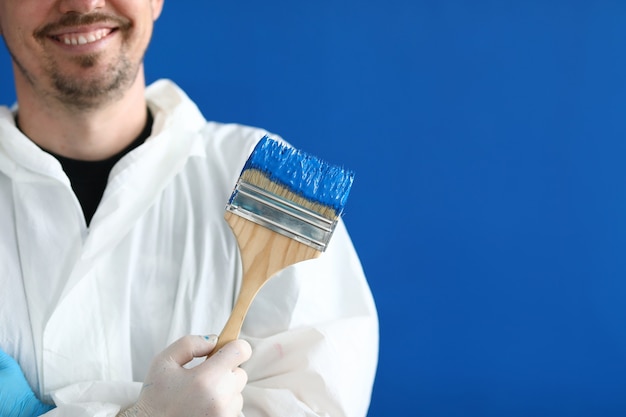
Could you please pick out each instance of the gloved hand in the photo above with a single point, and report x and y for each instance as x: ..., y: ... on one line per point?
x: 212, y: 388
x: 16, y: 397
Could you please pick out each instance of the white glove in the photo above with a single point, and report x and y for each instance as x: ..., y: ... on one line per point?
x: 211, y: 389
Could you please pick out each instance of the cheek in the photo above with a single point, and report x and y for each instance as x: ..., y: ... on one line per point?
x: 12, y: 30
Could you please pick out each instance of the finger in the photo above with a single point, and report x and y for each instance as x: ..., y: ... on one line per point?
x: 240, y: 378
x: 236, y: 404
x: 188, y: 347
x: 231, y: 355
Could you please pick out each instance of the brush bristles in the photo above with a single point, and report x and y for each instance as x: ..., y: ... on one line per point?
x: 300, y: 177
x: 291, y: 193
x: 261, y: 180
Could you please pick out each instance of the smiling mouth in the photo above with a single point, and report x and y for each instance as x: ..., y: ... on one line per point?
x: 75, y: 29
x: 82, y: 38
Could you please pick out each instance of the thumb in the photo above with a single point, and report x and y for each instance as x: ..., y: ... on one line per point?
x: 188, y: 347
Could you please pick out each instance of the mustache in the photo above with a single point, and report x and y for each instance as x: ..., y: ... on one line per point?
x: 75, y: 20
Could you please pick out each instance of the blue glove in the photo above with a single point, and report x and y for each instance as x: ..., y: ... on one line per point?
x: 16, y: 397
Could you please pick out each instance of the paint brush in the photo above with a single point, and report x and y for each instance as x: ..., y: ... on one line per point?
x: 283, y: 210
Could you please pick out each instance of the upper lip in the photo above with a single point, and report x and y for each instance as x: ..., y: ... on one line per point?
x: 75, y: 25
x: 79, y: 30
x: 81, y: 36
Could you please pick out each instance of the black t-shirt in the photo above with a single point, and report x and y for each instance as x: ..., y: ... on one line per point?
x: 89, y: 178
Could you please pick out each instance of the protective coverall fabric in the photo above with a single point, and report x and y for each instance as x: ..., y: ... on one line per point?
x: 85, y: 309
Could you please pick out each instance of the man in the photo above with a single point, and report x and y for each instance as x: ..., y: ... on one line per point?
x: 114, y: 255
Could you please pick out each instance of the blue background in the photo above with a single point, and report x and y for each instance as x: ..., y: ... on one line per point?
x: 489, y: 206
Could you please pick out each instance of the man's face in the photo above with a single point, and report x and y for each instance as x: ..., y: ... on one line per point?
x: 81, y: 52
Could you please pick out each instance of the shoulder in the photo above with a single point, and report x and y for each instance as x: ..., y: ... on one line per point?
x: 174, y: 110
x: 230, y: 144
x: 233, y: 137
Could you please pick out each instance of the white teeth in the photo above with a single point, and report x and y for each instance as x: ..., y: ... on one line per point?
x: 83, y: 39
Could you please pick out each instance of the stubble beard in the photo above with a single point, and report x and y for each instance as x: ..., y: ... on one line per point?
x: 92, y: 92
x: 87, y: 92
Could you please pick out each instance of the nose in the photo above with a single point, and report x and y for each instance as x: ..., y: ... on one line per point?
x: 80, y: 6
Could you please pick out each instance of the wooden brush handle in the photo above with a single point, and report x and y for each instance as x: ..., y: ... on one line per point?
x: 263, y: 254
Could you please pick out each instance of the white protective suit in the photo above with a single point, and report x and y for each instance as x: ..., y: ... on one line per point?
x: 85, y: 309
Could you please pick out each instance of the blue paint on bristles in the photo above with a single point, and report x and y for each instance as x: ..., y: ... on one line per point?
x: 291, y: 193
x: 316, y: 181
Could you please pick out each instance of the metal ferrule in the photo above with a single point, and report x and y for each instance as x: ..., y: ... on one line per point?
x: 281, y: 215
